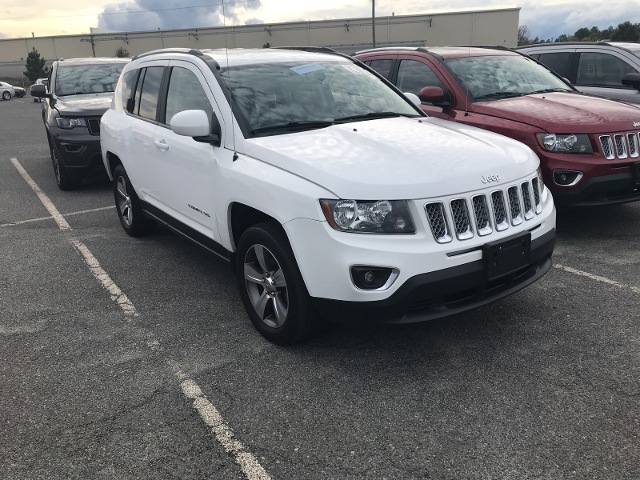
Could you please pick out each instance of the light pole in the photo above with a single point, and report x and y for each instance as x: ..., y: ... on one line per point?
x: 373, y: 22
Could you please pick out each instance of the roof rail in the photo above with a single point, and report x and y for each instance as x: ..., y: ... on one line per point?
x: 309, y: 48
x: 189, y: 51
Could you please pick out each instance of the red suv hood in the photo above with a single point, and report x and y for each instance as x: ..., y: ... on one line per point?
x: 564, y: 112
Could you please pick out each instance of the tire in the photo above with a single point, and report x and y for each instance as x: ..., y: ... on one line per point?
x: 128, y: 206
x: 271, y: 286
x: 6, y: 95
x: 64, y: 180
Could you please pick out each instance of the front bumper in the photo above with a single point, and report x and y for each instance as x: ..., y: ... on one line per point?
x: 79, y: 151
x: 443, y: 293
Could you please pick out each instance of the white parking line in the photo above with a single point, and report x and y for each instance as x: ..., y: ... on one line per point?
x: 207, y: 411
x: 598, y: 278
x: 41, y: 219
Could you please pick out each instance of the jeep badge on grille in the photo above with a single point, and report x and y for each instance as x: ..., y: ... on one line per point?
x: 490, y: 178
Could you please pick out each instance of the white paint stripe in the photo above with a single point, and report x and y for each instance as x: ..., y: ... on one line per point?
x: 207, y: 411
x: 41, y: 219
x: 598, y: 278
x: 53, y: 211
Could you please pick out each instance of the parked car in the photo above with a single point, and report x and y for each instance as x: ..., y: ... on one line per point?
x: 331, y: 195
x: 588, y: 146
x: 20, y: 92
x: 7, y: 91
x: 607, y: 69
x: 79, y: 92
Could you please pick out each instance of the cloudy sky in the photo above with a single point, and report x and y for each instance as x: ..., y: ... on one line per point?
x: 543, y: 18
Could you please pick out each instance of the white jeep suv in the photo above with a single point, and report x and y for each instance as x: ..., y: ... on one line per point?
x: 333, y: 196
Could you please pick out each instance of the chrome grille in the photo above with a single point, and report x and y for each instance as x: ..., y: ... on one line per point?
x: 484, y: 213
x: 632, y: 140
x: 461, y: 220
x: 481, y: 212
x: 620, y: 145
x: 438, y: 222
x: 499, y: 211
x: 536, y: 192
x: 514, y: 205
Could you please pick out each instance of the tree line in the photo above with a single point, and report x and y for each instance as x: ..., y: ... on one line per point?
x: 625, y: 32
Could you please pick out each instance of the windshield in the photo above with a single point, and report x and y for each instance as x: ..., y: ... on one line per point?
x: 279, y: 97
x: 78, y: 79
x: 504, y: 76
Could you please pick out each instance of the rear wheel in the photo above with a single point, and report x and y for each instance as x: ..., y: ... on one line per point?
x: 64, y: 180
x: 271, y: 286
x: 130, y: 212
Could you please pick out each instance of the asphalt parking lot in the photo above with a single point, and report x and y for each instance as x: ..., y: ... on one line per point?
x: 127, y: 358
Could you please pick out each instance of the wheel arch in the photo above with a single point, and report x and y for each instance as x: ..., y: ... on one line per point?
x: 242, y: 217
x: 113, y: 161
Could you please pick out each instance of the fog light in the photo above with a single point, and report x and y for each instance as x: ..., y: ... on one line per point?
x: 566, y: 178
x: 373, y: 278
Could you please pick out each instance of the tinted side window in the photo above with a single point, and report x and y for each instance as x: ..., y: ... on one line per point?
x: 414, y: 75
x: 185, y: 93
x: 601, y: 69
x: 147, y: 95
x: 126, y: 87
x: 383, y: 67
x: 558, y: 62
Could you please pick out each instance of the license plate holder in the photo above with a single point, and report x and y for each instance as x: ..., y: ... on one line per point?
x: 506, y: 256
x: 635, y: 171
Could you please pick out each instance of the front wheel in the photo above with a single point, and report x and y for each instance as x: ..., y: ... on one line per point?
x: 6, y: 95
x: 64, y: 180
x: 271, y: 286
x: 130, y: 212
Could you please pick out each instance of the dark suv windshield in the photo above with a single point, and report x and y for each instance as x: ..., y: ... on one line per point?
x: 87, y: 78
x: 503, y: 76
x: 274, y: 97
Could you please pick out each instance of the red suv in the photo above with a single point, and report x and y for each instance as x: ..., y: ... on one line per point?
x: 589, y: 147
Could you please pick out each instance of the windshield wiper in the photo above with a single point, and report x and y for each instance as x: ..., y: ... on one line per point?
x: 549, y: 90
x: 373, y: 116
x: 290, y: 126
x: 499, y: 95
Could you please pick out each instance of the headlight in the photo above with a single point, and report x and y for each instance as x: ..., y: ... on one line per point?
x: 565, y: 143
x: 381, y: 216
x: 65, y: 122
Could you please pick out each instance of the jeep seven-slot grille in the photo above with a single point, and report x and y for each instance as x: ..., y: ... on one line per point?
x: 93, y: 124
x: 481, y: 214
x: 620, y: 145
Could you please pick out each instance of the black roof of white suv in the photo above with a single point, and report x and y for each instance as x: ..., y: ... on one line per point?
x: 608, y: 69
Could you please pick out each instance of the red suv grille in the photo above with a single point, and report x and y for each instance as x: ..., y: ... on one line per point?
x: 620, y: 145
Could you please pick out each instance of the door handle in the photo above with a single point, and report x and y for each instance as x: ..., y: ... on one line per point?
x: 161, y: 144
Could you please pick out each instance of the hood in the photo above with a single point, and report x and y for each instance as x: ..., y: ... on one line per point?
x: 93, y: 104
x: 396, y: 158
x: 561, y: 112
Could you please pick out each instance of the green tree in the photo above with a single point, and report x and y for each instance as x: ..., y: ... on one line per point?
x: 35, y: 66
x: 626, y: 32
x: 582, y: 34
x: 122, y: 52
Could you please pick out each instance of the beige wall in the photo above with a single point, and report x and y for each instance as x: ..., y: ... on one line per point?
x: 478, y: 27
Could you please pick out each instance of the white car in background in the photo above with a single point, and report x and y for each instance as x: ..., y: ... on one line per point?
x: 7, y: 91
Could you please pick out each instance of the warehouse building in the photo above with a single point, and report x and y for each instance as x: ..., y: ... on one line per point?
x: 469, y: 27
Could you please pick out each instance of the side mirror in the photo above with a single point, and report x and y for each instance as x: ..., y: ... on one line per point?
x: 38, y: 90
x: 632, y: 80
x: 414, y: 98
x: 195, y: 123
x: 436, y: 96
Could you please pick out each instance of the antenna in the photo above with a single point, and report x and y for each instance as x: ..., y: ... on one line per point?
x: 226, y: 51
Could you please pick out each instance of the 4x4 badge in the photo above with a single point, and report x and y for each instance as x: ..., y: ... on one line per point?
x: 490, y: 178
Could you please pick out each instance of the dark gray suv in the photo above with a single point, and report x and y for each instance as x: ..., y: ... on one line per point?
x: 78, y: 93
x: 606, y: 69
